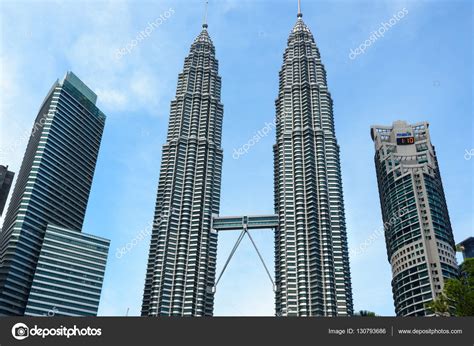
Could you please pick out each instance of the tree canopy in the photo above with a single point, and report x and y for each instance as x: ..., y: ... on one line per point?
x: 457, y: 298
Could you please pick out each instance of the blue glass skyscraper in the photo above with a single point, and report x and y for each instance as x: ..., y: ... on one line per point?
x: 53, y: 185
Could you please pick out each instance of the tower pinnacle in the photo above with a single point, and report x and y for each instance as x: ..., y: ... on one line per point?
x: 299, y: 9
x: 204, y: 22
x: 188, y: 292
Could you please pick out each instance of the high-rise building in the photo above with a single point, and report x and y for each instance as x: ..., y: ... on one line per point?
x: 6, y: 179
x: 312, y: 262
x: 69, y: 274
x: 418, y: 234
x: 311, y: 255
x: 467, y: 247
x: 52, y: 190
x: 182, y: 258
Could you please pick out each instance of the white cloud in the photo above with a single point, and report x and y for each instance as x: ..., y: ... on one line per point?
x: 14, y: 132
x: 126, y: 84
x: 111, y: 99
x: 9, y: 88
x: 143, y: 87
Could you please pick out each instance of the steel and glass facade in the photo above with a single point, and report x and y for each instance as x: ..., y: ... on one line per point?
x: 467, y: 248
x: 52, y: 187
x: 182, y: 258
x: 419, y: 238
x: 228, y: 223
x: 69, y: 274
x: 312, y: 271
x: 6, y: 180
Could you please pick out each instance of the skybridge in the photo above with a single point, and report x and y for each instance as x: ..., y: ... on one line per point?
x: 233, y: 223
x: 243, y: 223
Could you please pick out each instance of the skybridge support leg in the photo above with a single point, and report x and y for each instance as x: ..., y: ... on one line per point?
x: 234, y: 249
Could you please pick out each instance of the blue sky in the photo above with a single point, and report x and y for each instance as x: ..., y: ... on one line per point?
x: 422, y: 69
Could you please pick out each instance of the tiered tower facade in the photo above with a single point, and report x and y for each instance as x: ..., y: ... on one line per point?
x: 311, y: 255
x: 182, y: 258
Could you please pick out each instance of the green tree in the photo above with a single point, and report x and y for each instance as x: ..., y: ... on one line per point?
x: 440, y: 306
x: 365, y: 313
x: 457, y: 298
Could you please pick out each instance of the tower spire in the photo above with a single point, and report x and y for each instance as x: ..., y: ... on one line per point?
x: 204, y: 22
x: 299, y: 9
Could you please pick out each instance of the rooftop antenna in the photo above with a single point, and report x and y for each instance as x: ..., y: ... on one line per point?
x: 204, y: 22
x: 299, y: 9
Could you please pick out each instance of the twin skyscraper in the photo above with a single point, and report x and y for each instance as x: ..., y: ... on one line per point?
x: 312, y: 275
x: 47, y: 263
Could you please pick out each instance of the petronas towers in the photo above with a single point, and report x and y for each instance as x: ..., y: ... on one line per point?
x: 312, y: 276
x: 182, y: 258
x: 311, y: 256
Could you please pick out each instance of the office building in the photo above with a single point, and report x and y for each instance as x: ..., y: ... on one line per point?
x: 182, y: 258
x: 6, y: 180
x: 52, y: 188
x: 418, y: 234
x: 467, y: 248
x: 69, y: 274
x: 311, y: 255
